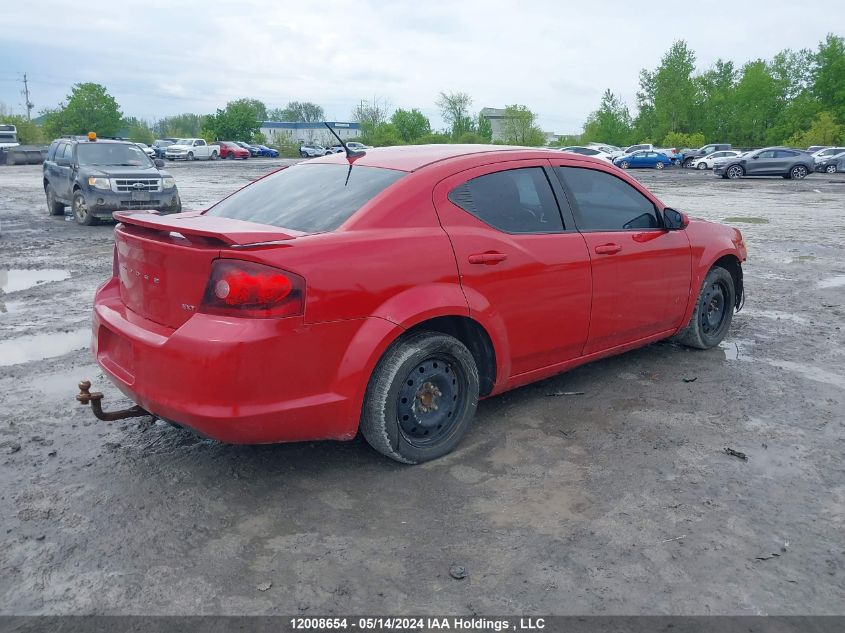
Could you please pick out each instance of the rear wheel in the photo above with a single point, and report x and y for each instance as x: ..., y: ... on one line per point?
x: 421, y: 398
x: 190, y: 156
x: 713, y: 312
x: 798, y: 172
x: 81, y: 213
x: 735, y: 172
x: 54, y: 207
x: 213, y: 155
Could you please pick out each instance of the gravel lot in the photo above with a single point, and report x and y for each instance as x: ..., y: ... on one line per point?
x: 618, y: 501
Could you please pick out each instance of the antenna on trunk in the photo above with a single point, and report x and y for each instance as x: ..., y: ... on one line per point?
x: 350, y: 153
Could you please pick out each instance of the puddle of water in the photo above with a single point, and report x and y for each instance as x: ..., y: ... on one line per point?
x: 776, y: 315
x: 10, y: 306
x: 20, y: 279
x: 832, y: 282
x: 746, y: 220
x: 735, y: 349
x: 802, y: 258
x: 39, y: 346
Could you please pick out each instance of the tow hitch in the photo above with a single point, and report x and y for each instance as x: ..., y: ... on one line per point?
x: 86, y: 397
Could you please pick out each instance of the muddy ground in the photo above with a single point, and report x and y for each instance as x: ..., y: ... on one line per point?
x: 618, y: 501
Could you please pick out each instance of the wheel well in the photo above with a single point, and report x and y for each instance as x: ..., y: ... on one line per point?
x: 475, y: 337
x: 732, y: 264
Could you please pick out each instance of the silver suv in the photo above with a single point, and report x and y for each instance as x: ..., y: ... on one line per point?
x: 769, y: 161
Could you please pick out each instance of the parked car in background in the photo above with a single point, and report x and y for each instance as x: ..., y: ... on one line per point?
x: 814, y: 148
x: 231, y: 150
x: 826, y: 152
x: 831, y: 164
x: 160, y: 146
x: 709, y: 159
x: 336, y: 149
x: 643, y: 158
x: 268, y: 152
x: 691, y: 156
x: 98, y: 177
x: 192, y: 149
x: 149, y: 151
x: 587, y: 151
x: 356, y: 146
x: 610, y: 150
x: 252, y: 149
x: 309, y: 150
x: 369, y: 333
x: 769, y: 161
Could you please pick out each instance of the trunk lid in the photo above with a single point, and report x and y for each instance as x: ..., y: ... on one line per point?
x: 164, y: 262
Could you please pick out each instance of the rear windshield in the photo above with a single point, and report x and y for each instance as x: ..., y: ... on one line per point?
x: 307, y: 198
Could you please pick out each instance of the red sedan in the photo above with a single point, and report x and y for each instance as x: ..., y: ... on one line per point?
x: 387, y: 293
x: 232, y: 150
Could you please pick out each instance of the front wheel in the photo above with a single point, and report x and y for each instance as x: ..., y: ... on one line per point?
x: 659, y: 166
x: 231, y: 156
x: 421, y: 398
x: 713, y: 312
x: 81, y: 213
x: 798, y: 172
x: 830, y: 169
x: 702, y: 165
x: 735, y: 172
x: 624, y: 164
x: 54, y: 207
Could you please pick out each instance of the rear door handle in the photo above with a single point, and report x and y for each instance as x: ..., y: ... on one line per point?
x: 487, y: 258
x: 608, y: 249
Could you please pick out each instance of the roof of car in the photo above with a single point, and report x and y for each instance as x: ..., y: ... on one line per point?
x: 413, y: 157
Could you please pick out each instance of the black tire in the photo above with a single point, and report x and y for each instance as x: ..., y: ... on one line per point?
x: 830, y: 169
x: 231, y: 156
x: 213, y: 155
x: 713, y: 313
x: 624, y: 164
x: 735, y: 172
x: 303, y: 154
x: 798, y: 172
x: 423, y: 369
x: 81, y: 213
x: 54, y: 207
x: 659, y: 165
x: 190, y: 156
x: 688, y: 163
x: 702, y: 165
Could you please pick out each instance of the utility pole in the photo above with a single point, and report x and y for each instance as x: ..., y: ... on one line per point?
x: 27, y: 103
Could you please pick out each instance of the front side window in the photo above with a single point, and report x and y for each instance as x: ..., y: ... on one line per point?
x: 604, y: 202
x: 767, y: 154
x: 307, y: 198
x: 513, y: 201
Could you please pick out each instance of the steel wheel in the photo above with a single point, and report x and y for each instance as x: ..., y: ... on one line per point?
x: 830, y: 169
x: 713, y: 307
x: 624, y: 164
x: 798, y: 172
x: 81, y: 212
x: 429, y: 398
x: 659, y: 166
x: 702, y: 165
x: 735, y: 172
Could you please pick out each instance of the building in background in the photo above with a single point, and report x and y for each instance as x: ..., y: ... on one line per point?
x: 303, y: 132
x: 496, y: 116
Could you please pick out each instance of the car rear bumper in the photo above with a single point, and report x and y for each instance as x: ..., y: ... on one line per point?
x: 243, y: 381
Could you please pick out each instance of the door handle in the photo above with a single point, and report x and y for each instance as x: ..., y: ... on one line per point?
x: 608, y: 249
x: 487, y: 258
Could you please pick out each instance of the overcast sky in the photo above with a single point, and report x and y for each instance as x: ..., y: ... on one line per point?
x: 163, y: 57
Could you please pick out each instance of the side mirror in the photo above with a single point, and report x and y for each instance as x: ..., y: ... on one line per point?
x: 756, y: 157
x: 159, y: 163
x: 674, y: 220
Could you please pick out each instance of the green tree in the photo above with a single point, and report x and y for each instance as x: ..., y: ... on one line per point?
x: 717, y: 100
x: 138, y: 130
x: 611, y: 123
x: 383, y: 135
x: 89, y: 108
x: 29, y: 132
x: 680, y: 140
x: 828, y: 75
x: 824, y: 130
x: 520, y: 127
x: 298, y: 111
x: 757, y: 104
x: 255, y: 105
x: 675, y: 93
x: 485, y: 128
x: 454, y: 107
x: 180, y: 125
x: 371, y: 114
x: 410, y: 124
x: 236, y: 122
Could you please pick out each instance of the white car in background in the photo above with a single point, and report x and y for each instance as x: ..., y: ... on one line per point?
x: 192, y: 149
x: 309, y: 150
x: 588, y: 151
x: 824, y: 153
x: 707, y: 161
x: 610, y: 150
x: 149, y: 151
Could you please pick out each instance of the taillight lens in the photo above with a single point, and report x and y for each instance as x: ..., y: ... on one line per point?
x: 247, y: 289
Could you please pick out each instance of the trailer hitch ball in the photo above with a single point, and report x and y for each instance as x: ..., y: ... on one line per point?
x: 95, y: 400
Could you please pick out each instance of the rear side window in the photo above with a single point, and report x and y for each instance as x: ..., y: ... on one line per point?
x: 784, y: 153
x: 51, y: 153
x: 307, y: 198
x: 513, y: 201
x: 604, y: 202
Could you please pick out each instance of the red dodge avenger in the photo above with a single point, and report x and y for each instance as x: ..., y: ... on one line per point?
x: 389, y: 291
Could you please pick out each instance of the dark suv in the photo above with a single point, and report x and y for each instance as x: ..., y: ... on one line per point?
x: 97, y: 177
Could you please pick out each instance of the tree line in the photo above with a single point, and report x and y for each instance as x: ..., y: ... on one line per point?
x: 797, y: 98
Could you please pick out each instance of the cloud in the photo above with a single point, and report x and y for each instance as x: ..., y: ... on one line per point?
x: 159, y: 58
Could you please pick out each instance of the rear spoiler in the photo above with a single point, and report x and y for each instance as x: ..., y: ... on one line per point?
x: 227, y: 230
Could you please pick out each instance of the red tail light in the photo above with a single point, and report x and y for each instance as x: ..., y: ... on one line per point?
x: 247, y: 289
